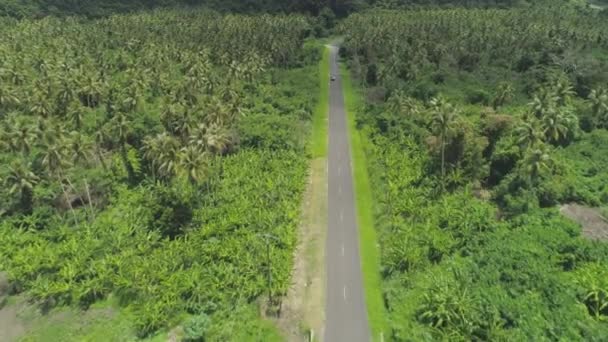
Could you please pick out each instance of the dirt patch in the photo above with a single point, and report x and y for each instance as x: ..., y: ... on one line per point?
x: 21, y: 319
x: 11, y: 326
x: 595, y: 226
x: 303, y: 310
x: 4, y: 284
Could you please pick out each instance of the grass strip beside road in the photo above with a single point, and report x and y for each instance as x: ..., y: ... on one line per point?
x: 319, y: 119
x: 370, y: 256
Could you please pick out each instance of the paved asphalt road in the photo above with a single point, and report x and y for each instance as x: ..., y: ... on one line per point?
x: 345, y: 311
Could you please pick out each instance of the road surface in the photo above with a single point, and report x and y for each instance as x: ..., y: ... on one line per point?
x: 345, y: 311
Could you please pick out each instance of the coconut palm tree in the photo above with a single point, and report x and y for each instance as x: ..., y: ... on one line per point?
x: 20, y: 134
x: 120, y: 128
x: 178, y: 120
x: 65, y: 96
x: 210, y: 137
x: 563, y: 92
x: 229, y: 105
x: 49, y: 131
x: 544, y: 101
x: 536, y: 162
x: 75, y: 114
x: 193, y: 163
x: 557, y: 124
x: 162, y: 151
x: 529, y: 134
x: 130, y: 100
x: 503, y: 94
x: 444, y: 117
x: 79, y: 147
x: 101, y: 136
x: 55, y: 159
x: 401, y: 104
x: 21, y: 179
x: 8, y: 98
x: 39, y: 104
x: 89, y: 89
x: 599, y: 106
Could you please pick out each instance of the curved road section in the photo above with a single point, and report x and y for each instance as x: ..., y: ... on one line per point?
x: 345, y: 312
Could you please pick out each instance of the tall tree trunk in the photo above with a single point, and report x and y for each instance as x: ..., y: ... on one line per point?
x: 26, y: 200
x: 125, y: 160
x: 100, y: 157
x: 442, y: 158
x: 86, y: 186
x: 67, y: 199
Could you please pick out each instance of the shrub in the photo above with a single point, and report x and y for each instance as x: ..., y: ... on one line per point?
x: 424, y: 91
x: 195, y: 329
x: 270, y: 132
x: 478, y: 96
x: 593, y: 289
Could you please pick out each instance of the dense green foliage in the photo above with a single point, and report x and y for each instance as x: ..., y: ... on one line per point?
x: 326, y: 9
x: 158, y: 159
x: 25, y: 8
x: 479, y: 123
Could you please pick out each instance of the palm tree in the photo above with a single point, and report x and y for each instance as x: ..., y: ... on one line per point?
x: 543, y: 102
x: 557, y: 124
x: 111, y: 99
x: 79, y: 147
x: 213, y: 138
x: 120, y: 126
x: 528, y: 135
x: 536, y: 162
x: 401, y: 104
x: 162, y: 152
x: 178, y: 120
x: 65, y: 96
x: 75, y: 114
x: 563, y: 91
x: 89, y: 89
x: 218, y: 112
x: 504, y: 93
x: 229, y: 104
x: 193, y: 163
x: 21, y: 179
x: 55, y: 159
x: 49, y: 131
x: 8, y: 98
x: 599, y: 105
x: 5, y: 138
x: 39, y: 105
x: 444, y: 116
x: 20, y: 134
x: 130, y: 100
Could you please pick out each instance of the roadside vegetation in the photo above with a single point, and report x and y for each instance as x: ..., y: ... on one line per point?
x: 479, y: 124
x: 157, y: 160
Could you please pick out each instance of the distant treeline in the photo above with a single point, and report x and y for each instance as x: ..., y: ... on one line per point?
x: 100, y: 8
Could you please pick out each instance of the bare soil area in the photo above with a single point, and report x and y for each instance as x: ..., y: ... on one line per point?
x: 11, y: 326
x: 595, y: 226
x: 302, y: 311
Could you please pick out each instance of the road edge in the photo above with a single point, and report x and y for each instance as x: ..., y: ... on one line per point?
x: 370, y: 256
x: 303, y: 313
x: 319, y: 139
